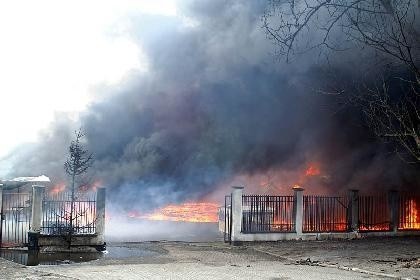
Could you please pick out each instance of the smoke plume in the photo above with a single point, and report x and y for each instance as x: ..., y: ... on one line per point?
x: 217, y: 108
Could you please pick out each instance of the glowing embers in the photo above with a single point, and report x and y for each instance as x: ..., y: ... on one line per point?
x: 265, y: 213
x: 325, y: 214
x: 410, y: 213
x: 374, y: 213
x: 193, y: 212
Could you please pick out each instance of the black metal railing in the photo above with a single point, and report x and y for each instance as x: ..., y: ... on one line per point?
x: 265, y: 213
x: 325, y: 214
x: 409, y: 211
x: 15, y: 219
x: 59, y: 219
x: 374, y: 213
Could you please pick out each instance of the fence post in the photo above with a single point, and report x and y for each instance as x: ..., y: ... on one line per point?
x: 1, y: 202
x: 393, y: 209
x: 354, y: 210
x: 36, y: 217
x: 236, y: 221
x: 100, y: 215
x: 1, y: 211
x: 298, y: 211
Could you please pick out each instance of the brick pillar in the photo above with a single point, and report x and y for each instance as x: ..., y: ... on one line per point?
x: 354, y: 210
x: 36, y: 217
x: 393, y: 209
x: 100, y: 215
x: 236, y: 214
x: 298, y: 209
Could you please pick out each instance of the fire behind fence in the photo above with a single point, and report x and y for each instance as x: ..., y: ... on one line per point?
x: 265, y: 213
x: 374, y: 213
x: 325, y: 214
x: 409, y: 207
x: 58, y: 218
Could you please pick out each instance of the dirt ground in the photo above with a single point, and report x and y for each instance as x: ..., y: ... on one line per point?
x: 386, y: 258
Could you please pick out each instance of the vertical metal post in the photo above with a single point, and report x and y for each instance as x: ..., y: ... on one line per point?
x: 393, y: 210
x: 236, y: 209
x: 298, y: 213
x: 100, y: 215
x: 354, y: 210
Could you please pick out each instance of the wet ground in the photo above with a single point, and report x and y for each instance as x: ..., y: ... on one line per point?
x: 381, y: 258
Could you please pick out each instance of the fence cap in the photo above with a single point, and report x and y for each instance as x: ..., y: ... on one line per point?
x: 237, y: 187
x: 298, y: 188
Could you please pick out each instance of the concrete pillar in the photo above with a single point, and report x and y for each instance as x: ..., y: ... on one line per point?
x: 236, y: 214
x: 36, y: 219
x: 393, y: 209
x: 1, y: 207
x: 1, y: 198
x: 37, y: 197
x: 298, y: 210
x: 354, y: 210
x: 100, y: 215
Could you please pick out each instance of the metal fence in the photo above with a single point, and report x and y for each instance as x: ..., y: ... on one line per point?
x: 409, y: 211
x: 15, y: 219
x: 264, y: 213
x: 325, y: 214
x: 374, y: 213
x: 57, y: 217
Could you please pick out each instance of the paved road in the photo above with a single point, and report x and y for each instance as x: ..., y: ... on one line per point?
x: 195, y: 270
x: 215, y: 260
x: 174, y: 260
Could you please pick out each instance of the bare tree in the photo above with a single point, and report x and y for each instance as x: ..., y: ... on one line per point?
x: 388, y: 27
x: 78, y: 162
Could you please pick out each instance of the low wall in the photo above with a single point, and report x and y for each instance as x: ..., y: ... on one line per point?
x: 82, y: 242
x: 250, y: 237
x: 237, y: 235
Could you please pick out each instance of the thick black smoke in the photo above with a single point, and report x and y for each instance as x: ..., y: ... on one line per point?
x: 216, y: 103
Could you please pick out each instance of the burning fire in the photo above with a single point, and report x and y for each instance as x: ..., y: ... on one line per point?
x: 412, y: 219
x: 312, y: 170
x: 58, y: 188
x: 194, y: 212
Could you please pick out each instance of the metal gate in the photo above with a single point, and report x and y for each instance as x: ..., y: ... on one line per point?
x: 15, y: 219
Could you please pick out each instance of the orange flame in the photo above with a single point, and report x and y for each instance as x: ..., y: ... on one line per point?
x: 312, y: 170
x: 58, y: 188
x: 194, y: 212
x: 412, y: 220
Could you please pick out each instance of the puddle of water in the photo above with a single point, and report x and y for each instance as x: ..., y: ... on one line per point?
x: 121, y: 252
x: 31, y: 258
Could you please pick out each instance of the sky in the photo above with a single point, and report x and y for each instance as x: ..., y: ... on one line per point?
x: 54, y: 53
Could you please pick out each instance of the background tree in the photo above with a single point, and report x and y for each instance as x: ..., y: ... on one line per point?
x: 78, y: 162
x: 389, y: 29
